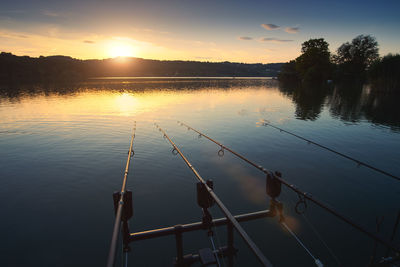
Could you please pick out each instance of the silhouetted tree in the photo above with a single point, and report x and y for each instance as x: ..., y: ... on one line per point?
x: 288, y: 75
x: 312, y: 67
x: 355, y: 58
x: 384, y: 74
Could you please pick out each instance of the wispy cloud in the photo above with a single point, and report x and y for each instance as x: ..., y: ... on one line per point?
x: 88, y: 42
x: 292, y: 29
x: 203, y: 58
x: 270, y: 26
x: 274, y: 40
x: 15, y: 11
x: 245, y: 38
x: 4, y: 34
x: 50, y: 13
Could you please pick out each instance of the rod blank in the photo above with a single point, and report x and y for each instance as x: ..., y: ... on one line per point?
x: 117, y: 223
x: 265, y: 123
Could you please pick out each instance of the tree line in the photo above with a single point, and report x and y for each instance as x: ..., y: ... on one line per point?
x: 357, y: 61
x: 20, y: 69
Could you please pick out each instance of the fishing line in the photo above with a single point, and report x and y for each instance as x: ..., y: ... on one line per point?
x: 126, y: 259
x: 267, y: 123
x: 322, y: 240
x: 317, y: 261
x: 213, y: 246
x: 314, y: 230
x: 218, y: 241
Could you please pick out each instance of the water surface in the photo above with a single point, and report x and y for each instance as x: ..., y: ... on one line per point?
x: 63, y: 152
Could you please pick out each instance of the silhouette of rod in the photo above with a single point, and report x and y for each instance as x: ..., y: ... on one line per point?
x: 260, y: 256
x: 304, y: 194
x: 117, y: 223
x: 334, y: 151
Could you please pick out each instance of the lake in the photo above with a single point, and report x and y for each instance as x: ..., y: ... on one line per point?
x: 63, y: 151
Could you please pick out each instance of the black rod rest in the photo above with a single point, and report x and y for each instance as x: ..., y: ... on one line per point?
x: 276, y: 208
x: 179, y: 230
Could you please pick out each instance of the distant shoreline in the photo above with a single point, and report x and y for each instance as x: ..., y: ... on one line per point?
x: 181, y: 78
x: 14, y: 69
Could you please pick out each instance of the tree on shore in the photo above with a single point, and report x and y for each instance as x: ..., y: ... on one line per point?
x: 288, y: 74
x: 312, y: 67
x: 353, y: 59
x: 384, y: 74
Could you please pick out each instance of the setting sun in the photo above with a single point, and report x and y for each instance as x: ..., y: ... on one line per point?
x: 121, y: 50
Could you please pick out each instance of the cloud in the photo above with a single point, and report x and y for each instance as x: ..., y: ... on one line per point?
x: 15, y: 11
x: 292, y: 29
x: 50, y: 13
x: 245, y: 38
x: 88, y: 42
x: 203, y: 58
x: 10, y: 35
x: 270, y: 26
x: 274, y: 40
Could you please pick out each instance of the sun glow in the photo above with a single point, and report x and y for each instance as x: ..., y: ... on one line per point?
x: 126, y: 104
x: 122, y: 50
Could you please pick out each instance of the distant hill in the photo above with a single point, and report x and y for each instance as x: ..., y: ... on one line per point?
x: 17, y: 69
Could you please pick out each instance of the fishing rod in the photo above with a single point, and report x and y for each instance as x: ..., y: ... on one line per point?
x: 260, y: 256
x: 267, y: 123
x: 121, y: 202
x: 301, y: 193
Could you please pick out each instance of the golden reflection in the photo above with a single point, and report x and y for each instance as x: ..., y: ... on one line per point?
x: 147, y: 105
x: 125, y: 103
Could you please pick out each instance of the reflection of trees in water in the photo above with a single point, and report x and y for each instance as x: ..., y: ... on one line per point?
x: 345, y: 102
x: 17, y: 91
x: 351, y: 102
x: 383, y: 108
x: 358, y: 102
x: 309, y: 101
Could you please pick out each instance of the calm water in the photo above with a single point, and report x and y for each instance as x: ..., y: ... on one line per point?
x: 63, y: 154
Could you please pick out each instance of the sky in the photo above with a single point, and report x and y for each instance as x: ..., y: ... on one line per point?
x: 202, y: 30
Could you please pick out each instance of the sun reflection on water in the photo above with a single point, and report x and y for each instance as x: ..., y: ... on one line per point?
x: 126, y: 104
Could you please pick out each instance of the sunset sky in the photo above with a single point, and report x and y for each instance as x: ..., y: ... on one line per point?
x: 240, y: 31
